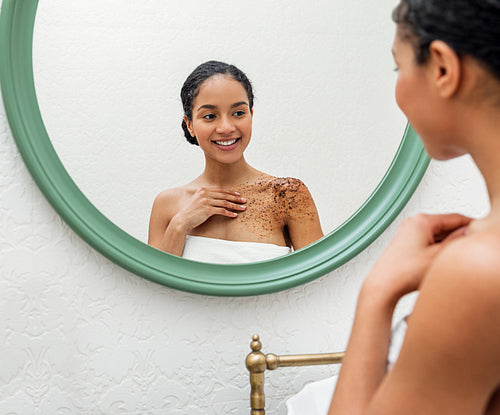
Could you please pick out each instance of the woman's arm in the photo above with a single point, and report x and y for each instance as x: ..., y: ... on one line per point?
x: 301, y: 215
x: 363, y: 386
x: 164, y: 234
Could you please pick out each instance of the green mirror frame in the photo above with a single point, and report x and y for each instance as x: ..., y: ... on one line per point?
x: 355, y: 234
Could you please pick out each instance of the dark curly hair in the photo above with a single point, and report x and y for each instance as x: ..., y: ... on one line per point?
x: 469, y: 27
x: 192, y: 85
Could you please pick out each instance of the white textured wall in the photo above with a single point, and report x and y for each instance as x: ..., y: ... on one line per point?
x: 79, y: 335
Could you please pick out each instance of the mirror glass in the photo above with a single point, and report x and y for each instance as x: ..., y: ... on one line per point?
x: 108, y: 76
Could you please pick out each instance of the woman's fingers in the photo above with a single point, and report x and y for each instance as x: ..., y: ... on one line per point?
x: 233, y: 197
x: 432, y: 228
x: 228, y: 205
x: 223, y: 198
x: 207, y: 202
x: 223, y: 212
x: 443, y: 226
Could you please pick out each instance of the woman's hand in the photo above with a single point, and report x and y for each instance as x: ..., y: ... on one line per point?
x: 207, y: 202
x: 401, y: 268
x: 169, y: 226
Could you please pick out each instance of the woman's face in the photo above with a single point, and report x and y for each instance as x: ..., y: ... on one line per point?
x: 411, y: 90
x: 418, y: 97
x: 222, y: 119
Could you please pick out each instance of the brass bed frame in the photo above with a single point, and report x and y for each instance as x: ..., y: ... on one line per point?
x: 257, y: 363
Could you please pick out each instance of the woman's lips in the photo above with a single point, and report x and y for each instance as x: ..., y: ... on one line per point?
x: 226, y: 145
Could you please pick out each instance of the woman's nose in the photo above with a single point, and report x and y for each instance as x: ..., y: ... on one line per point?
x: 225, y: 125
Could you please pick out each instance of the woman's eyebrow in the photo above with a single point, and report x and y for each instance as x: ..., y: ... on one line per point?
x: 209, y: 106
x: 237, y: 104
x: 214, y: 107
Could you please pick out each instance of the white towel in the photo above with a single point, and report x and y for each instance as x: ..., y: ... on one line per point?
x: 315, y: 397
x: 220, y: 251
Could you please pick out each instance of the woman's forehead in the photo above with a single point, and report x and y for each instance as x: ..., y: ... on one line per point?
x: 222, y: 88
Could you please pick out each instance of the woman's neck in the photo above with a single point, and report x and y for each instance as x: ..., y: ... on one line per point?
x: 484, y: 139
x: 224, y: 175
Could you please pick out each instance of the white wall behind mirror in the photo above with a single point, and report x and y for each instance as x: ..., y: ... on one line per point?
x: 108, y: 76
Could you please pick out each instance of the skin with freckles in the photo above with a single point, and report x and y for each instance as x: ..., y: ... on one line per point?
x: 450, y: 358
x: 231, y: 200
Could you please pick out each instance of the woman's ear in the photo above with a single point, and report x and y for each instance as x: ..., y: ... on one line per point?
x: 189, y: 125
x: 446, y: 69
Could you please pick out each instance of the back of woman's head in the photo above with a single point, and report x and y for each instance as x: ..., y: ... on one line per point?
x: 194, y: 81
x: 470, y: 27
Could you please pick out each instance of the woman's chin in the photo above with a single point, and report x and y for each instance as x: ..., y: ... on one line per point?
x: 443, y: 153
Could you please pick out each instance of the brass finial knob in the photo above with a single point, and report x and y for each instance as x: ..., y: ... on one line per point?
x: 256, y: 361
x: 256, y: 345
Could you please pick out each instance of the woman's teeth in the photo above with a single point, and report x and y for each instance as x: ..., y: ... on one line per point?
x: 226, y: 143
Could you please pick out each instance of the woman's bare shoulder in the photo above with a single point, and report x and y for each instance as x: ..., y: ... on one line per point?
x: 280, y: 186
x: 469, y: 268
x: 456, y: 323
x: 295, y: 192
x: 170, y: 199
x: 475, y: 256
x: 167, y: 195
x: 291, y: 193
x: 289, y: 183
x: 283, y: 186
x: 298, y: 209
x: 466, y: 277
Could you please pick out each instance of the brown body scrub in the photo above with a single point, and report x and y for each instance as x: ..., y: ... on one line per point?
x: 270, y: 202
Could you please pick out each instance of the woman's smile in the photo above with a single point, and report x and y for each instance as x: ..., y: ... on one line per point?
x: 227, y: 144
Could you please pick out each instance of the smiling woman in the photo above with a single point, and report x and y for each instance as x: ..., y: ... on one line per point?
x: 263, y: 215
x: 91, y: 189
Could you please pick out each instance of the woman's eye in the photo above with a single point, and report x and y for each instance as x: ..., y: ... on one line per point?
x: 209, y: 116
x: 239, y: 113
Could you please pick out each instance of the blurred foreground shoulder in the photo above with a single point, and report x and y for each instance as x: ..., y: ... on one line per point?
x: 451, y: 350
x: 463, y: 288
x: 474, y: 258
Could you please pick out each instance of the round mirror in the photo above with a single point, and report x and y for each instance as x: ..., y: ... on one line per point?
x: 318, y: 117
x: 316, y: 112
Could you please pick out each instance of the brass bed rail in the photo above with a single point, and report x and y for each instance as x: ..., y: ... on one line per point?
x: 257, y: 363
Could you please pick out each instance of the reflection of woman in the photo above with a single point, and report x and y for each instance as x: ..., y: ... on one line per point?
x: 231, y: 212
x: 448, y: 58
